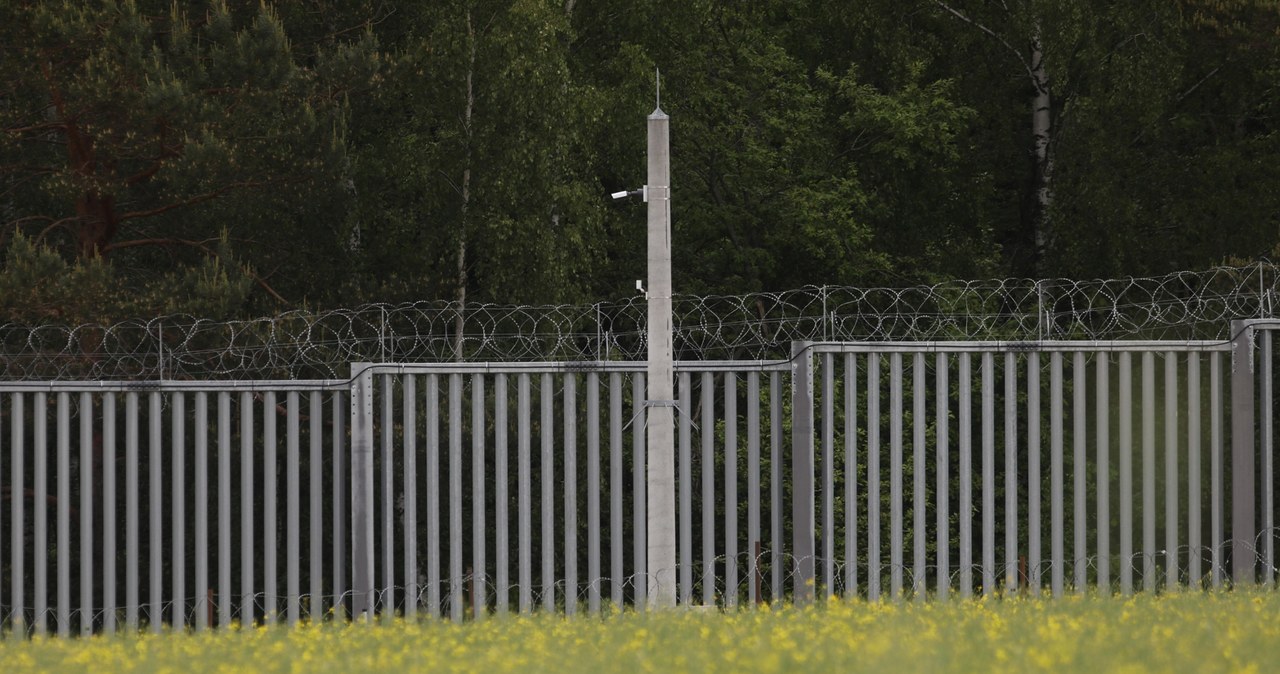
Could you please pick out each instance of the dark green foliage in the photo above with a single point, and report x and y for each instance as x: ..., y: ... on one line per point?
x: 356, y: 152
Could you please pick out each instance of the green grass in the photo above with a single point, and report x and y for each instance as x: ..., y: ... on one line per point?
x: 1191, y: 632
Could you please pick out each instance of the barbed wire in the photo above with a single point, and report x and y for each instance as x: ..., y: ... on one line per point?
x: 757, y: 326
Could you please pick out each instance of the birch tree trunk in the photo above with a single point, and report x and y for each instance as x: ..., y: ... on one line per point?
x: 1042, y: 151
x: 468, y: 110
x: 1033, y: 65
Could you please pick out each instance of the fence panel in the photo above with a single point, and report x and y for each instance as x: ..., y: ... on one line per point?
x: 66, y: 448
x: 579, y: 473
x: 461, y: 489
x: 1120, y: 430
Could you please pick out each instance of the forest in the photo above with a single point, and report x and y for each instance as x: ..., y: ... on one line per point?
x: 240, y: 158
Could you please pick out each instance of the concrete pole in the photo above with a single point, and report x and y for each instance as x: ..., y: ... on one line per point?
x: 660, y: 407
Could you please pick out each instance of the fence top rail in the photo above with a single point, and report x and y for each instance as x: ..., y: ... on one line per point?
x: 1048, y: 346
x: 171, y: 386
x: 569, y: 367
x: 308, y: 385
x: 623, y: 367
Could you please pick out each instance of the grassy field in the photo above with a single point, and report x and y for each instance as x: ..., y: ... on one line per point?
x: 1182, y: 632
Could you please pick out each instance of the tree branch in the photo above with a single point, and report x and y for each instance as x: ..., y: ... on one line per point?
x: 994, y: 35
x: 54, y: 225
x: 1195, y: 86
x: 199, y: 198
x: 45, y: 126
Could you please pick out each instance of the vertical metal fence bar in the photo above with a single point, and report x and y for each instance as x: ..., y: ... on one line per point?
x: 615, y: 488
x: 753, y: 485
x: 895, y: 476
x: 1056, y: 550
x: 456, y: 606
x: 547, y: 505
x: 178, y: 447
x: 478, y: 477
x: 63, y: 495
x: 1193, y: 470
x: 873, y: 476
x: 708, y: 470
x: 776, y: 543
x: 386, y: 601
x: 64, y: 515
x: 155, y: 614
x: 639, y: 413
x: 686, y: 489
x: 965, y: 468
x: 1010, y: 472
x: 201, y: 591
x: 802, y: 495
x: 1215, y: 467
x: 850, y: 475
x: 524, y: 505
x: 828, y: 476
x: 1268, y: 475
x: 315, y: 606
x: 292, y: 476
x: 109, y: 514
x: 270, y: 478
x: 570, y: 494
x: 87, y: 471
x: 1102, y: 407
x: 432, y: 412
x: 130, y: 509
x: 12, y: 614
x: 409, y: 454
x: 1148, y: 471
x: 224, y: 509
x: 341, y: 511
x: 1079, y: 384
x: 247, y: 596
x: 988, y: 474
x: 109, y: 604
x: 731, y: 492
x: 1171, y: 469
x: 593, y: 493
x: 39, y: 504
x: 18, y: 528
x: 502, y: 535
x: 1125, y: 447
x: 1033, y: 473
x: 918, y: 395
x: 942, y: 455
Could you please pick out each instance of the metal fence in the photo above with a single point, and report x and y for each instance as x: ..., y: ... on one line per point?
x: 875, y: 469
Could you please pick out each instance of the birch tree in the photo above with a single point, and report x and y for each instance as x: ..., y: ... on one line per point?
x: 1016, y: 29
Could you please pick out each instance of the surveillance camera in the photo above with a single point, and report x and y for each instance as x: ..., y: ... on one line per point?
x: 627, y: 194
x: 639, y: 285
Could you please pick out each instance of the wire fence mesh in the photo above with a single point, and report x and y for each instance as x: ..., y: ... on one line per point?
x: 302, y: 344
